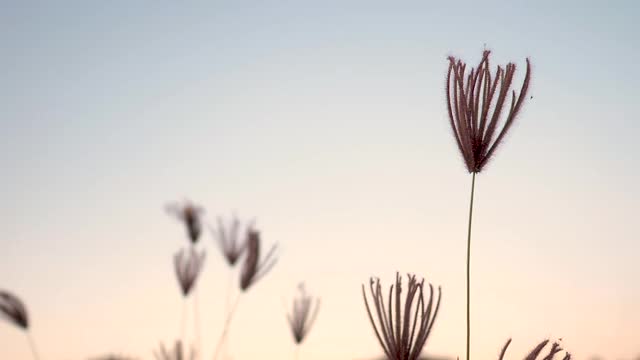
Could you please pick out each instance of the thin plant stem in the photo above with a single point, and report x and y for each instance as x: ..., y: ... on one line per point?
x: 32, y: 345
x: 196, y: 320
x: 183, y: 321
x: 227, y: 304
x: 225, y: 329
x: 473, y: 184
x: 296, y: 355
x: 196, y: 314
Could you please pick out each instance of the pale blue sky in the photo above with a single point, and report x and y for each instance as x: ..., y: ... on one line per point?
x: 326, y: 121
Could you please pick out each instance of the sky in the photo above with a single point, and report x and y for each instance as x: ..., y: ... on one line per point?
x: 326, y: 121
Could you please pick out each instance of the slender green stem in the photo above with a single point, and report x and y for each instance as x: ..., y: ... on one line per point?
x: 225, y: 330
x: 32, y: 345
x: 473, y: 184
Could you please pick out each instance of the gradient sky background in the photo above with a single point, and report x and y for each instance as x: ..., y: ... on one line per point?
x: 326, y: 121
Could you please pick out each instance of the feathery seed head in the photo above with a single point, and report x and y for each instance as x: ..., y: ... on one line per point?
x: 188, y: 266
x: 190, y: 215
x: 537, y: 353
x: 228, y: 238
x: 253, y: 269
x: 303, y: 316
x: 12, y: 308
x: 397, y: 324
x: 475, y: 102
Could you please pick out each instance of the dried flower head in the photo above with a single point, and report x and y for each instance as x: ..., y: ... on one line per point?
x: 475, y: 110
x: 13, y: 309
x: 174, y: 354
x: 399, y: 340
x: 228, y: 238
x: 188, y: 266
x: 537, y: 351
x: 253, y: 269
x: 190, y: 215
x: 305, y: 311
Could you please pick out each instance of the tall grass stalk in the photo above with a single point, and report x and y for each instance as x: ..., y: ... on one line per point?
x: 473, y: 185
x: 196, y: 322
x: 225, y: 329
x: 183, y: 321
x: 32, y: 346
x: 227, y: 308
x: 474, y: 105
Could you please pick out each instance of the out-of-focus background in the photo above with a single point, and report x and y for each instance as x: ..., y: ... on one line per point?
x: 326, y: 121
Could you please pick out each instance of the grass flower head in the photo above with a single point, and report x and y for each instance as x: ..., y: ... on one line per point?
x: 190, y: 215
x: 12, y: 308
x: 475, y: 103
x: 188, y: 266
x: 253, y: 268
x: 229, y: 239
x: 397, y: 323
x: 303, y: 316
x: 537, y: 352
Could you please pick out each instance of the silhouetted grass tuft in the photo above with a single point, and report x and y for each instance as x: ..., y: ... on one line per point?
x: 13, y: 309
x: 399, y: 340
x: 254, y: 269
x: 175, y: 353
x: 305, y: 311
x: 473, y: 114
x: 535, y: 354
x: 229, y: 239
x: 188, y: 268
x: 474, y: 119
x: 190, y: 215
